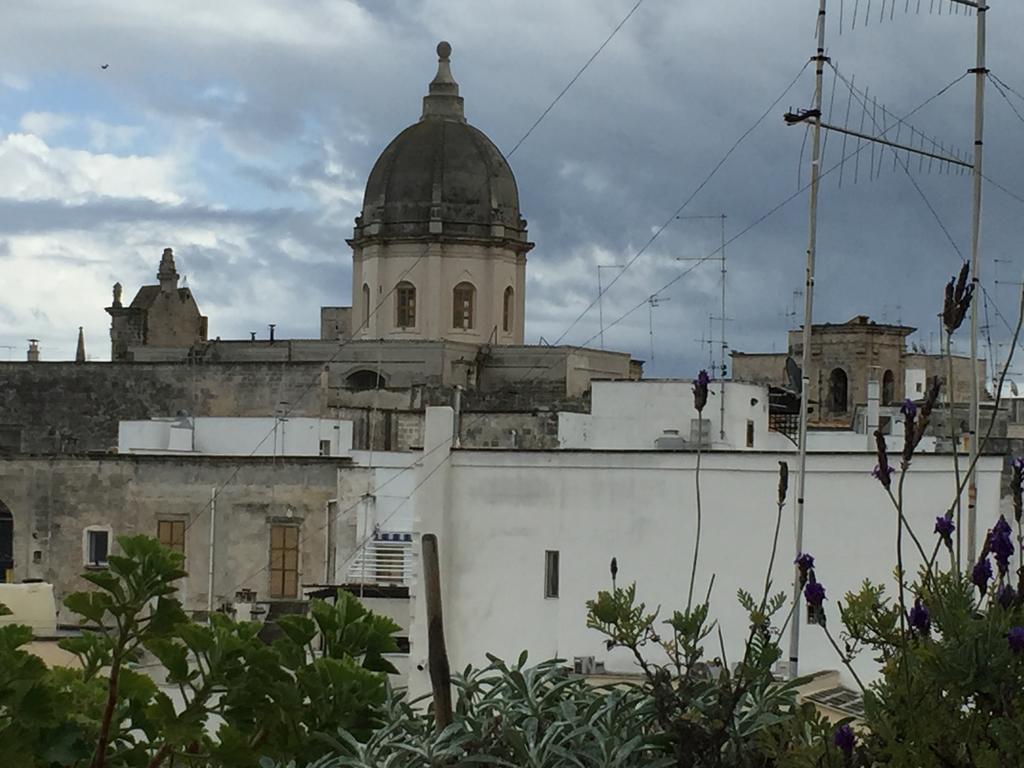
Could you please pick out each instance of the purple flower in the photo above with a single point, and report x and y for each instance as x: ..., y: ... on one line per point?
x: 805, y: 563
x: 1006, y: 597
x: 920, y: 618
x: 909, y: 409
x: 883, y: 474
x: 815, y: 594
x: 1018, y: 463
x: 1000, y: 544
x: 944, y: 527
x: 981, y: 574
x: 1016, y: 639
x: 700, y: 390
x: 845, y: 739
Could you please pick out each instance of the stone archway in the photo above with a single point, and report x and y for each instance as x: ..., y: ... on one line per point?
x: 6, y: 544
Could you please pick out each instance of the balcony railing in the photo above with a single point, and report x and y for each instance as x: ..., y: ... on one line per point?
x: 383, y: 563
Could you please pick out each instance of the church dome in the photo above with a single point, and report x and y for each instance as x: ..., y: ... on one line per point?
x: 441, y: 178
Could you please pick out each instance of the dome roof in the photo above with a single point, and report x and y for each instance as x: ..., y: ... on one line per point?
x: 441, y: 178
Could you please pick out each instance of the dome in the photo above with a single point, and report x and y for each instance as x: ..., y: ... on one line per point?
x: 441, y: 178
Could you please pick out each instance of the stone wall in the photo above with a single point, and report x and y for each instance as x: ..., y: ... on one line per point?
x: 53, y: 501
x: 75, y: 407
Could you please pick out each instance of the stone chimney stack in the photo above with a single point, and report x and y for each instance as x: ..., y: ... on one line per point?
x: 167, y: 274
x: 80, y: 351
x: 33, y: 351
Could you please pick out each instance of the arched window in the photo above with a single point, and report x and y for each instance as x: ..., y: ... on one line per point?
x: 463, y: 299
x: 405, y: 305
x: 837, y: 391
x: 506, y: 310
x: 888, y: 388
x: 6, y: 543
x: 366, y: 305
x: 364, y: 380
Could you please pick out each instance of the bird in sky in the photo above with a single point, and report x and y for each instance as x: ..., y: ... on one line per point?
x: 104, y: 66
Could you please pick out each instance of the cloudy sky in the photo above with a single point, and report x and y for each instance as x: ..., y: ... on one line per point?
x: 240, y: 133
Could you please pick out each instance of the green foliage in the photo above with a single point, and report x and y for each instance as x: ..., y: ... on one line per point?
x: 513, y: 715
x: 328, y: 672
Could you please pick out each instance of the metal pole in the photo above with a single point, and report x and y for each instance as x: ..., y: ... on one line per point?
x: 980, y: 73
x: 600, y: 308
x: 213, y: 535
x: 805, y: 373
x: 721, y: 405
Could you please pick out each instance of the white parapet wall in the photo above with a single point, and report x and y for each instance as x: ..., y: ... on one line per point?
x: 496, y: 514
x: 32, y: 605
x: 237, y: 436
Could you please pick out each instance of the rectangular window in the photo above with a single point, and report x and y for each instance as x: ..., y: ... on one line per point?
x: 97, y: 547
x: 284, y: 561
x: 325, y: 447
x: 171, y: 533
x: 750, y: 434
x: 551, y: 573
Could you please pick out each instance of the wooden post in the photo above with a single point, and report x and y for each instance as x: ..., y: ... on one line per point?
x: 437, y: 654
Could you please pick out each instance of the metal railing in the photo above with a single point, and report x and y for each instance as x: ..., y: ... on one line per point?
x: 383, y: 563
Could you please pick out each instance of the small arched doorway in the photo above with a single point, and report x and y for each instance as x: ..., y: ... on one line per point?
x: 837, y: 384
x: 888, y: 388
x: 6, y: 544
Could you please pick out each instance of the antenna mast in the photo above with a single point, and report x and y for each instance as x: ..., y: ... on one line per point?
x: 805, y: 366
x: 980, y: 73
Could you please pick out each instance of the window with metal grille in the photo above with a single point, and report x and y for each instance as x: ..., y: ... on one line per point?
x: 284, y: 561
x: 750, y: 434
x: 171, y: 533
x: 506, y: 315
x: 463, y: 298
x: 551, y: 573
x: 405, y: 296
x: 390, y: 563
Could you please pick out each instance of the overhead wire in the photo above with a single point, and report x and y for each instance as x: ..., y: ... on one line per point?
x: 355, y: 333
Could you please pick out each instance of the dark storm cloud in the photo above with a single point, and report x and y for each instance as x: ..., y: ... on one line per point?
x: 618, y: 154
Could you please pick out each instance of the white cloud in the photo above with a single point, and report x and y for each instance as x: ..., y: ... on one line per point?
x: 30, y: 169
x: 44, y: 124
x: 14, y: 82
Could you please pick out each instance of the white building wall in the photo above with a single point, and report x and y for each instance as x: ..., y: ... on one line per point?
x: 495, y: 514
x: 631, y: 415
x: 916, y: 381
x: 230, y: 436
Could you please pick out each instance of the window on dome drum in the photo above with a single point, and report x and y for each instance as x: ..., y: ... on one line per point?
x: 463, y: 298
x: 506, y: 315
x: 366, y: 304
x: 405, y: 305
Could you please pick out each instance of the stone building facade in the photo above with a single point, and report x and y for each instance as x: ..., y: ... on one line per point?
x: 844, y: 356
x: 272, y: 521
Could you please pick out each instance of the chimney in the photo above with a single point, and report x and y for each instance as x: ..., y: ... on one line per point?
x: 456, y: 416
x: 272, y: 326
x: 80, y: 351
x: 872, y: 415
x: 33, y: 351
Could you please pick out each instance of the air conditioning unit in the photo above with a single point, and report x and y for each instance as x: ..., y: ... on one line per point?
x: 587, y: 665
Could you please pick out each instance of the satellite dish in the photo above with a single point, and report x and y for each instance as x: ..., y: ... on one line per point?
x: 793, y: 374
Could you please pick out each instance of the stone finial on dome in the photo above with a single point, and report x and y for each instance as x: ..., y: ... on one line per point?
x: 443, y: 100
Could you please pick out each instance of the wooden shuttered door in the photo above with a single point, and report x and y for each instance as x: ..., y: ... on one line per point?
x: 171, y: 533
x: 284, y: 561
